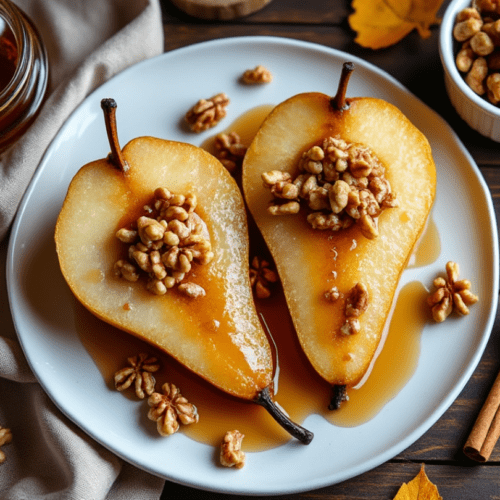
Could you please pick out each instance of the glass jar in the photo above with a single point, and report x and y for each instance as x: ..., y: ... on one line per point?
x: 23, y: 73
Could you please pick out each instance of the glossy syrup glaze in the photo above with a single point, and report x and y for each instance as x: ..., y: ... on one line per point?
x: 300, y: 391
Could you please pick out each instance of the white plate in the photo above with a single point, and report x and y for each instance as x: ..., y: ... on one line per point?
x: 153, y: 97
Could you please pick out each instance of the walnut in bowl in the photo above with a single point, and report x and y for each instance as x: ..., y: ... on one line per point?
x: 468, y: 52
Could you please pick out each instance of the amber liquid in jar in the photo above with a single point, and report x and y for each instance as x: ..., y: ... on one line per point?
x: 300, y: 390
x: 23, y: 73
x: 8, y: 54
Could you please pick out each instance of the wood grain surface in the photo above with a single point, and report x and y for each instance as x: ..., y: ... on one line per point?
x: 220, y: 10
x: 440, y: 449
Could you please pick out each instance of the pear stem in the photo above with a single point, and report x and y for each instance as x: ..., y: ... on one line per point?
x: 266, y: 400
x: 116, y: 156
x: 339, y: 395
x: 339, y: 102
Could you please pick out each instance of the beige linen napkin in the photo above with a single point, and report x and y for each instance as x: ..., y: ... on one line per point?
x: 88, y: 41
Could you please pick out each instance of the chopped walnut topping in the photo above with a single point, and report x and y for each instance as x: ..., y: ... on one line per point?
x: 356, y: 304
x: 171, y: 409
x: 259, y: 74
x: 319, y: 220
x: 5, y: 438
x: 126, y: 235
x: 333, y: 294
x: 351, y: 326
x: 126, y: 270
x: 356, y: 301
x: 274, y: 177
x: 338, y: 196
x: 292, y: 207
x: 165, y: 243
x: 451, y: 293
x: 207, y: 113
x: 230, y: 151
x: 261, y: 277
x: 138, y: 373
x: 192, y: 290
x: 341, y: 183
x: 230, y: 452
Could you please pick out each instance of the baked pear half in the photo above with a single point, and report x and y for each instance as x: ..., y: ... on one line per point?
x: 341, y: 189
x: 153, y: 240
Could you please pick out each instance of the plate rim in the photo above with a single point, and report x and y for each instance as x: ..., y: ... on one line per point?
x: 273, y: 40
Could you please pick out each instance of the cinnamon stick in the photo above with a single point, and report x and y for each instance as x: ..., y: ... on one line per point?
x: 486, y: 430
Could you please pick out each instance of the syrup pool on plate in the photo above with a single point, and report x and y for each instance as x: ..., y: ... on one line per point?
x: 245, y: 126
x: 300, y: 391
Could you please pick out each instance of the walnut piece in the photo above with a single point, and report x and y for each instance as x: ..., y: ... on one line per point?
x: 230, y: 151
x: 450, y: 294
x: 192, y: 290
x: 332, y: 294
x: 165, y: 243
x: 262, y: 277
x: 231, y: 454
x: 341, y: 184
x: 356, y: 303
x: 171, y: 409
x: 259, y: 74
x: 351, y: 326
x: 138, y: 373
x: 207, y: 113
x: 5, y: 438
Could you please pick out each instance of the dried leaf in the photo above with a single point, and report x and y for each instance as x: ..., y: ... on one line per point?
x: 380, y: 23
x: 419, y: 488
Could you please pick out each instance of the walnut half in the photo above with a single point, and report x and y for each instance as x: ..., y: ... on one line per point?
x: 171, y: 409
x: 262, y: 277
x: 229, y: 150
x: 207, y: 113
x: 450, y: 294
x: 230, y: 452
x: 140, y: 373
x: 259, y: 74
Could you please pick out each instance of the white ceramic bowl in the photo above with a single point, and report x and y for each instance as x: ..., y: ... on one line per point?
x: 479, y: 113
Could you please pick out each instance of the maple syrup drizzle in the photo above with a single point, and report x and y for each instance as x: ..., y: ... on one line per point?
x: 301, y: 391
x: 428, y: 248
x: 245, y: 126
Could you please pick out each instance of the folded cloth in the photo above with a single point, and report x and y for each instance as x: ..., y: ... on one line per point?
x: 88, y: 41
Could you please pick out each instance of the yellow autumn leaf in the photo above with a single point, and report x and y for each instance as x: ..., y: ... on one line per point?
x: 380, y: 23
x: 419, y: 488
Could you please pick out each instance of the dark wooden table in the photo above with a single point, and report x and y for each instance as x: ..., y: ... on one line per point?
x: 416, y: 64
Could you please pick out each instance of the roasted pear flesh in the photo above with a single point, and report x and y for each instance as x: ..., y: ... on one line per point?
x: 312, y: 262
x: 217, y: 335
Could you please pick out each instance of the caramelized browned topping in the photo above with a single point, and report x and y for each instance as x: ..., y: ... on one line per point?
x: 341, y: 183
x: 165, y: 244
